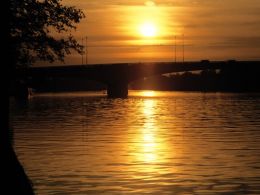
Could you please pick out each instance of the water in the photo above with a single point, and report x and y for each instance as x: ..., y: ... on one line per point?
x: 150, y: 143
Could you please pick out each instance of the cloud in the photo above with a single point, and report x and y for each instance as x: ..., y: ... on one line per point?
x: 150, y: 3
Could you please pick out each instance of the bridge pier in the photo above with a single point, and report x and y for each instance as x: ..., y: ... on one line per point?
x: 117, y: 89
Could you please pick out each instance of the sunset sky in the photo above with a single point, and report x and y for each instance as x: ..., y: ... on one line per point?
x: 139, y: 31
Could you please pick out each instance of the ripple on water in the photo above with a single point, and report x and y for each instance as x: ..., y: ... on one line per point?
x: 173, y: 143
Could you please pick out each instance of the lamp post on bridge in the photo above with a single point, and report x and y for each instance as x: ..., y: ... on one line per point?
x: 183, y: 48
x: 82, y: 51
x: 175, y: 48
x: 85, y: 50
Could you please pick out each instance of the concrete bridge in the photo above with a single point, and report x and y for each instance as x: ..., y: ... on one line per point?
x: 118, y: 76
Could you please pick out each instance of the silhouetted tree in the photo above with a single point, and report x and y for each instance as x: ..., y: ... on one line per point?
x: 31, y: 27
x: 32, y: 24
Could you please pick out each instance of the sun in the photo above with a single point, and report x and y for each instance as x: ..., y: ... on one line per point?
x: 148, y: 29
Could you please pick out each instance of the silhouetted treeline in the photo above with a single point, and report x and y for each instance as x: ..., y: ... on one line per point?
x: 233, y: 80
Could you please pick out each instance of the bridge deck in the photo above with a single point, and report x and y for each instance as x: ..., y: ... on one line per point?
x: 132, y: 71
x: 117, y: 76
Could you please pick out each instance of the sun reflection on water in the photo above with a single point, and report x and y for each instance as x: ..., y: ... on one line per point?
x: 148, y: 144
x: 149, y: 147
x: 148, y: 94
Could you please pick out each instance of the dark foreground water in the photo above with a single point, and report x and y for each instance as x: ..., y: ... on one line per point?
x: 150, y: 143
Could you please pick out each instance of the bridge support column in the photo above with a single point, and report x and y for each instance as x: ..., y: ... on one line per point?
x: 117, y: 89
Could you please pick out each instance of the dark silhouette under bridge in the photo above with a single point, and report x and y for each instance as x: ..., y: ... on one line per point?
x: 118, y: 76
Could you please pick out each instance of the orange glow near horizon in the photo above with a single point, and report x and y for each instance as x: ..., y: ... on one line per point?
x: 148, y: 93
x: 142, y: 31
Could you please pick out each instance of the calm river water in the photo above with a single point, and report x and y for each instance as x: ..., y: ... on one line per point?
x: 149, y: 143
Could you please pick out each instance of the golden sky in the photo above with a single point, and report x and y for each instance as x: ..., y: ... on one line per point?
x: 139, y: 31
